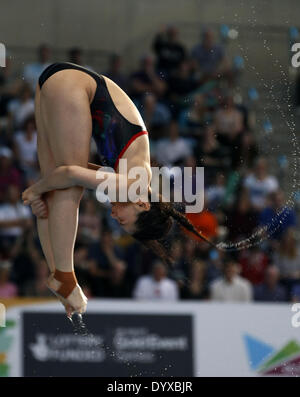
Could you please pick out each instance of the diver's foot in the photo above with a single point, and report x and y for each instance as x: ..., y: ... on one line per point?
x: 64, y: 285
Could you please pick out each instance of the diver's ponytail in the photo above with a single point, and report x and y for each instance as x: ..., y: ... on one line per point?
x: 183, y: 221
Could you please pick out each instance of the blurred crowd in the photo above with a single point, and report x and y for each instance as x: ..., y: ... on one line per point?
x: 187, y: 100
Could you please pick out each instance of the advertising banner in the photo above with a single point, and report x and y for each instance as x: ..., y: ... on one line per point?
x: 128, y: 338
x: 110, y: 345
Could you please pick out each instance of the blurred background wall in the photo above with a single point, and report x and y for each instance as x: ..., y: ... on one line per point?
x: 127, y: 26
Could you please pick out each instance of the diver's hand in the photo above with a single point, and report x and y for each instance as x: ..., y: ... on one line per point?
x: 39, y: 208
x: 29, y: 195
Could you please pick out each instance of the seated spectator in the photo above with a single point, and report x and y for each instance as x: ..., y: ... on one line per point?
x: 117, y: 284
x: 101, y: 257
x: 9, y: 174
x: 260, y: 184
x: 249, y: 150
x: 229, y: 121
x: 15, y: 217
x: 146, y: 80
x: 231, y: 287
x: 9, y: 78
x: 156, y: 286
x: 196, y: 117
x: 174, y: 149
x: 209, y: 57
x: 181, y: 84
x: 253, y: 262
x: 211, y: 155
x: 230, y: 127
x: 278, y: 217
x: 75, y: 56
x: 32, y: 71
x: 7, y: 288
x: 156, y: 115
x: 169, y: 51
x: 89, y: 225
x: 270, y: 290
x: 196, y: 286
x: 38, y: 286
x: 287, y: 256
x: 178, y: 272
x: 115, y: 73
x: 25, y: 142
x: 214, y: 261
x: 21, y: 107
x: 82, y: 266
x: 215, y: 193
x: 10, y: 83
x: 242, y: 218
x: 25, y: 257
x: 295, y: 293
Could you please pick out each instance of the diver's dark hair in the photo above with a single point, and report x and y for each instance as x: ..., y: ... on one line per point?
x: 154, y: 225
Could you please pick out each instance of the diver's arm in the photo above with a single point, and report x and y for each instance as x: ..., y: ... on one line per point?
x: 64, y: 177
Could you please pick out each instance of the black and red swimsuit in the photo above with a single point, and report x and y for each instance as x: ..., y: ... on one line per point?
x: 112, y: 132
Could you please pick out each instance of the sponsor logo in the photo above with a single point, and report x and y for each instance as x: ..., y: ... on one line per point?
x: 6, y: 341
x: 67, y: 347
x: 267, y: 360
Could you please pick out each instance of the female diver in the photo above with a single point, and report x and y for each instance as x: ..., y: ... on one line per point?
x: 71, y: 105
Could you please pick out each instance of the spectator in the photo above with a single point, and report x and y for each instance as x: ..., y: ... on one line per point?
x: 270, y: 290
x: 89, y: 227
x: 10, y: 83
x: 38, y: 286
x: 178, y: 271
x: 156, y: 115
x: 15, y: 217
x: 115, y: 73
x: 32, y: 71
x: 181, y: 85
x: 260, y: 184
x: 169, y: 51
x: 196, y: 288
x: 117, y: 284
x: 26, y: 257
x: 277, y: 216
x: 7, y: 288
x: 253, y: 262
x: 146, y: 80
x: 215, y: 193
x: 295, y: 293
x: 287, y: 256
x: 26, y: 148
x: 174, y: 149
x: 229, y: 123
x: 9, y: 174
x: 196, y: 117
x: 75, y: 56
x: 214, y: 262
x: 156, y: 286
x: 102, y: 256
x: 211, y: 154
x: 209, y: 57
x: 231, y: 287
x: 242, y: 218
x: 21, y: 107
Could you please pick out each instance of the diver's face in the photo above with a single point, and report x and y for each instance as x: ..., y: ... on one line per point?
x: 127, y: 213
